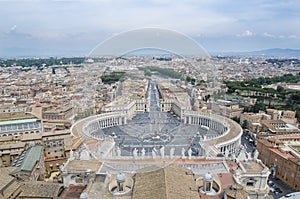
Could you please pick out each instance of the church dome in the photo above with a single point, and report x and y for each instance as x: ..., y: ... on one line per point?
x: 208, y: 177
x: 121, y: 177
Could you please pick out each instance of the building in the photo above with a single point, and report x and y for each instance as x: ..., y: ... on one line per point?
x: 9, y: 186
x: 278, y: 127
x: 253, y: 176
x: 78, y: 172
x: 281, y: 153
x: 57, y: 112
x: 226, y: 108
x: 165, y: 183
x: 252, y: 121
x: 19, y: 123
x: 30, y: 164
x: 180, y: 179
x: 57, y: 146
x: 45, y: 190
x: 8, y: 151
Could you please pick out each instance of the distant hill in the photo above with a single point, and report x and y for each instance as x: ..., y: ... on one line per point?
x: 267, y: 52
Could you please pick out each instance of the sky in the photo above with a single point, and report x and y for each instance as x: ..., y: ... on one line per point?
x: 75, y: 27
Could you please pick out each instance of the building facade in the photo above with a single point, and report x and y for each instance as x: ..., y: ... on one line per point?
x: 282, y: 155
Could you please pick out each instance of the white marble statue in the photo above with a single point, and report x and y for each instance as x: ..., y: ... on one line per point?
x: 226, y: 153
x: 135, y: 153
x: 190, y: 153
x: 143, y: 152
x: 84, y: 155
x: 118, y: 152
x: 233, y: 156
x: 71, y: 155
x: 162, y: 152
x: 182, y: 153
x: 153, y: 154
x: 172, y: 152
x: 256, y: 153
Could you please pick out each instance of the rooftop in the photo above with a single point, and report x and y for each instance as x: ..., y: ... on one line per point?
x: 5, y: 177
x: 21, y: 121
x: 285, y: 155
x: 252, y: 166
x: 168, y: 182
x: 28, y: 159
x: 37, y: 189
x: 83, y: 165
x: 15, y: 116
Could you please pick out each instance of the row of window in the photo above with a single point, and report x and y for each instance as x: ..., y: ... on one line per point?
x: 18, y: 133
x: 14, y: 127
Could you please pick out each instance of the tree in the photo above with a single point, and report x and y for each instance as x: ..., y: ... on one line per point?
x: 280, y: 89
x: 258, y: 106
x: 206, y: 97
x: 235, y: 118
x: 245, y: 124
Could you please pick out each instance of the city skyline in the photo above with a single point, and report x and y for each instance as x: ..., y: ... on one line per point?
x: 74, y: 27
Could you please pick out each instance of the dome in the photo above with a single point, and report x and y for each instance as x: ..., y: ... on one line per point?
x: 121, y: 177
x: 208, y: 177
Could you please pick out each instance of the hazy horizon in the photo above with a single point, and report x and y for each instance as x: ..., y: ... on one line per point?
x: 75, y: 27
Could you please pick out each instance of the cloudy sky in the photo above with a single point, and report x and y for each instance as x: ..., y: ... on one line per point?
x: 74, y: 27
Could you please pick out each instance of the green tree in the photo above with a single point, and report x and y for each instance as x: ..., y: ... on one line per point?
x: 280, y: 89
x: 245, y: 124
x: 206, y: 97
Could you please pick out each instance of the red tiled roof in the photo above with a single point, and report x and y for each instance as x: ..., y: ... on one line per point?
x: 282, y: 154
x: 73, y: 191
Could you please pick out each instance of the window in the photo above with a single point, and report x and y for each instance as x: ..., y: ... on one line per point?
x: 250, y: 183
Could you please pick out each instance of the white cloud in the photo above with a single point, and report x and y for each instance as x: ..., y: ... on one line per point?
x: 292, y: 36
x: 265, y: 34
x: 13, y: 28
x: 246, y: 33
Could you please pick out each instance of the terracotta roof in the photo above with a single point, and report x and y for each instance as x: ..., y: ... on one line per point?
x: 226, y: 179
x: 165, y: 183
x: 289, y: 136
x: 73, y: 191
x: 83, y: 165
x: 31, y: 136
x: 12, y: 145
x: 5, y: 177
x: 252, y: 166
x: 15, y: 116
x: 37, y: 189
x: 236, y: 191
x: 56, y: 133
x: 282, y: 154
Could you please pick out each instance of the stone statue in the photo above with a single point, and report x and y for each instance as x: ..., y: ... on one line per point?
x: 256, y: 153
x: 182, y: 153
x: 77, y: 155
x: 143, y: 152
x: 226, y: 153
x: 84, y: 155
x: 162, y: 152
x: 233, y: 157
x: 249, y: 155
x: 118, y: 152
x: 190, y: 153
x: 71, y: 155
x: 153, y: 154
x: 172, y: 152
x: 135, y: 153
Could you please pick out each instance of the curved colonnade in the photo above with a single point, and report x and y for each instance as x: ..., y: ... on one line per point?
x: 226, y: 142
x: 229, y: 138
